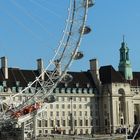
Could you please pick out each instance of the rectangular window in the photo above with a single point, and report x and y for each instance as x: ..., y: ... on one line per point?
x: 63, y: 122
x: 57, y: 113
x: 57, y: 106
x: 86, y: 122
x: 46, y: 123
x: 51, y: 113
x: 58, y: 123
x: 63, y: 99
x: 80, y: 106
x: 51, y: 106
x: 91, y: 122
x: 46, y: 131
x: 74, y: 106
x: 75, y: 122
x: 40, y: 131
x: 74, y: 98
x: 69, y: 122
x: 39, y: 123
x: 63, y: 113
x: 81, y: 123
x: 91, y: 113
x: 51, y: 123
x: 63, y: 106
x: 85, y: 106
x: 68, y: 106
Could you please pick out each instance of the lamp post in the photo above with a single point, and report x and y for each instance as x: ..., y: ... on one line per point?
x: 71, y: 117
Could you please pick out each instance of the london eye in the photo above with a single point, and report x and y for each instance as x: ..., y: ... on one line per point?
x: 41, y: 89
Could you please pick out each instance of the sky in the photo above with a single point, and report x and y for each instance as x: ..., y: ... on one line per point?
x: 31, y: 29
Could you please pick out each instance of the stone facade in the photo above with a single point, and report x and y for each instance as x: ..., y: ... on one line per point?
x: 99, y: 100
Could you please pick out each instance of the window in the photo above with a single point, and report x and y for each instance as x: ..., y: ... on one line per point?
x: 80, y: 113
x: 81, y: 123
x: 40, y: 131
x: 69, y: 113
x: 81, y: 131
x: 74, y: 98
x: 91, y: 113
x: 63, y: 113
x: 63, y: 106
x: 75, y: 122
x: 63, y: 99
x: 57, y: 106
x: 51, y: 123
x: 68, y: 106
x: 63, y: 122
x: 86, y: 122
x: 87, y: 131
x: 39, y: 123
x: 91, y: 122
x: 85, y: 113
x: 69, y: 122
x: 51, y: 106
x: 105, y: 122
x: 74, y: 106
x: 80, y: 106
x: 58, y: 123
x: 46, y: 123
x: 46, y: 131
x: 57, y: 113
x: 51, y: 113
x: 85, y: 106
x: 74, y: 113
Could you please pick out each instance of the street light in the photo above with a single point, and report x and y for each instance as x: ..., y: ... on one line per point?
x: 71, y: 117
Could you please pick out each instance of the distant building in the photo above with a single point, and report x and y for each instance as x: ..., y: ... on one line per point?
x: 99, y: 100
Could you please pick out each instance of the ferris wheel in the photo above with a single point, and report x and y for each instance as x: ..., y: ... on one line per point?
x: 41, y: 89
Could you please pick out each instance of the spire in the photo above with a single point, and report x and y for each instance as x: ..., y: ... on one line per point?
x: 125, y: 64
x: 123, y: 38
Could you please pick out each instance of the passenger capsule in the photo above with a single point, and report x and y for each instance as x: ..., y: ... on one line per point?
x: 86, y: 30
x: 67, y: 78
x: 90, y: 3
x: 78, y: 55
x: 49, y: 99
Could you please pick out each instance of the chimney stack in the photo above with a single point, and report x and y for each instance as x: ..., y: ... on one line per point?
x: 94, y: 69
x: 40, y: 68
x: 4, y: 66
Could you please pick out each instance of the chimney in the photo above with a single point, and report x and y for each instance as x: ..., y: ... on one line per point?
x: 40, y: 68
x: 94, y: 69
x: 4, y: 66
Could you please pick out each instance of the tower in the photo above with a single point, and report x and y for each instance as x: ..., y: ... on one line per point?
x: 125, y: 64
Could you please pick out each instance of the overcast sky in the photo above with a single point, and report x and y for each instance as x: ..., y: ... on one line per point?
x: 31, y: 29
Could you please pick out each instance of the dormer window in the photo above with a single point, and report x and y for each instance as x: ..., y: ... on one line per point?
x: 88, y: 85
x: 77, y: 84
x: 17, y: 83
x: 4, y: 83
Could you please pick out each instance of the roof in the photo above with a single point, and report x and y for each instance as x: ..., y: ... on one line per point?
x: 16, y: 75
x: 136, y: 79
x: 81, y: 78
x: 25, y: 76
x: 109, y: 75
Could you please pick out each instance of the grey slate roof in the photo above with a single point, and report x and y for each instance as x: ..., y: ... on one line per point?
x: 26, y: 76
x: 109, y: 75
